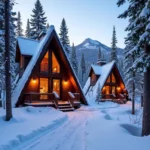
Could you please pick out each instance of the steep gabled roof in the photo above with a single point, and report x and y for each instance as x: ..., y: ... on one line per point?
x: 27, y: 46
x: 103, y: 73
x: 27, y: 73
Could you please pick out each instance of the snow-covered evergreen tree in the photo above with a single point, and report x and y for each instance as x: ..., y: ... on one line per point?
x: 82, y: 71
x: 13, y: 67
x: 73, y: 59
x: 47, y: 26
x: 38, y: 20
x: 64, y: 38
x: 2, y: 46
x: 19, y: 30
x: 138, y: 29
x: 98, y: 94
x: 114, y: 47
x: 28, y: 30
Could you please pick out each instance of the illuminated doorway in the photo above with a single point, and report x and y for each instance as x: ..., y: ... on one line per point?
x: 56, y: 86
x: 43, y: 88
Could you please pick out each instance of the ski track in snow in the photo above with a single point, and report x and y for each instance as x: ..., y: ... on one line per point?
x: 69, y: 136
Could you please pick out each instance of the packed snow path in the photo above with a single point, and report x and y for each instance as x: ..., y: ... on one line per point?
x: 69, y: 136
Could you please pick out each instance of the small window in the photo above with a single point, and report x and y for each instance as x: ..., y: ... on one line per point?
x: 44, y: 64
x: 55, y: 64
x: 113, y: 78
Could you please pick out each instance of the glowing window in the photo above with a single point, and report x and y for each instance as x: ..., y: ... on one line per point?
x: 107, y: 89
x: 44, y: 64
x: 108, y: 80
x: 55, y: 64
x: 56, y: 86
x: 113, y: 78
x: 113, y: 89
x: 43, y: 88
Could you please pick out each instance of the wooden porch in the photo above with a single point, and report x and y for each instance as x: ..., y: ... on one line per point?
x: 120, y: 98
x: 53, y: 100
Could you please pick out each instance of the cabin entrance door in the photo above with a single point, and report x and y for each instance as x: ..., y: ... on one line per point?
x: 56, y: 86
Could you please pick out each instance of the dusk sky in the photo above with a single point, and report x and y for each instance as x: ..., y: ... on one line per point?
x: 85, y: 18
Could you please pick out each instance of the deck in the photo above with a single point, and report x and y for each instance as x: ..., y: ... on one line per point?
x: 35, y: 99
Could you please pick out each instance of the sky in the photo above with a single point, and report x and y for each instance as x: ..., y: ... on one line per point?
x: 84, y: 18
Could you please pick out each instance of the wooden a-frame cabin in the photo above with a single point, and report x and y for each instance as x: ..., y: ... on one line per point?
x: 108, y: 77
x: 46, y: 77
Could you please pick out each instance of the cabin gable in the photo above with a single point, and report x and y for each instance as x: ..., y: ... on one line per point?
x: 114, y: 85
x: 49, y: 73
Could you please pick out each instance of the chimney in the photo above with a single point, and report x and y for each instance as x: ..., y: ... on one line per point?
x: 100, y: 61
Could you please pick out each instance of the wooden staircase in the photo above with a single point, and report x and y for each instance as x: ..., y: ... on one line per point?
x: 65, y: 106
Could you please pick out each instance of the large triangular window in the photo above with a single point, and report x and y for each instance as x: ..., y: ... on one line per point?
x: 113, y: 78
x: 55, y: 64
x: 44, y: 63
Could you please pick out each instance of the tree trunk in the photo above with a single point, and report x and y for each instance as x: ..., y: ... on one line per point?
x: 133, y: 98
x: 7, y: 64
x: 133, y: 90
x: 142, y: 100
x: 146, y: 104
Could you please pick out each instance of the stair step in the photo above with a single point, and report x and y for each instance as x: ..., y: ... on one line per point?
x: 68, y: 106
x: 67, y: 109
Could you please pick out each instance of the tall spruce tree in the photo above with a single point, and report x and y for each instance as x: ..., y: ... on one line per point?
x: 2, y: 45
x: 138, y: 29
x: 28, y: 30
x: 64, y: 38
x: 98, y: 94
x: 73, y: 59
x: 19, y: 30
x: 83, y: 70
x: 38, y: 21
x: 114, y: 47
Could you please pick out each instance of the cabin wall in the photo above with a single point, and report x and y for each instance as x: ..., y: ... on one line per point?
x: 67, y: 83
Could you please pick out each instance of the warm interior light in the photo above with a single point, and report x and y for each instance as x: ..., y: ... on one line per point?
x: 118, y: 88
x: 65, y: 82
x: 34, y: 80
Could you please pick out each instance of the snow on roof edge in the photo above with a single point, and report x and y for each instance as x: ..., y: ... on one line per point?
x: 72, y: 68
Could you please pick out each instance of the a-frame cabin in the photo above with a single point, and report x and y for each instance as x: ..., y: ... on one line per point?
x: 46, y: 76
x: 108, y: 77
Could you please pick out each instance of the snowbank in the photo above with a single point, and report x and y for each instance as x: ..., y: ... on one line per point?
x: 111, y: 129
x: 28, y: 123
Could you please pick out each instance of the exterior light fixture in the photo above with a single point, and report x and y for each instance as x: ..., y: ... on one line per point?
x: 34, y: 80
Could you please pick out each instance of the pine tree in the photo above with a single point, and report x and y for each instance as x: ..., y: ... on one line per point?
x: 64, y: 36
x: 38, y: 21
x: 19, y: 30
x: 2, y: 46
x: 73, y: 59
x: 28, y: 30
x: 99, y: 54
x: 138, y: 29
x: 83, y: 70
x: 47, y: 27
x: 98, y: 94
x: 114, y: 47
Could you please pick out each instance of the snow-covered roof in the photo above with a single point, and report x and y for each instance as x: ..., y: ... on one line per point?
x: 37, y: 51
x: 103, y: 72
x: 27, y: 46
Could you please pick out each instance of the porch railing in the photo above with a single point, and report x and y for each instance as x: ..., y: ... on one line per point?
x: 41, y: 97
x: 73, y: 97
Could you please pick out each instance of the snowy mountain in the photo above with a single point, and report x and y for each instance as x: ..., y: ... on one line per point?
x: 90, y: 48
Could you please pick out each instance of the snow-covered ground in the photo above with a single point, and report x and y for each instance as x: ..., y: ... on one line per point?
x: 107, y: 126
